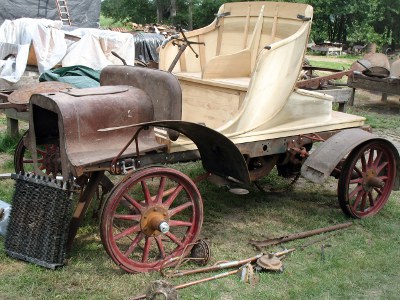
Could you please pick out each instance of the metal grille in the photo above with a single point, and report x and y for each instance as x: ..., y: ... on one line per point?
x: 38, y: 227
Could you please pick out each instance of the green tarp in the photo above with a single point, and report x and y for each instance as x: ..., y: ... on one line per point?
x: 78, y: 76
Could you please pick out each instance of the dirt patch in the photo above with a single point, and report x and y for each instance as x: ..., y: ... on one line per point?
x: 5, y: 157
x: 368, y: 99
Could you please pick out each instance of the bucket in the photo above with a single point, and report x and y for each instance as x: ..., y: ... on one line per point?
x: 5, y: 210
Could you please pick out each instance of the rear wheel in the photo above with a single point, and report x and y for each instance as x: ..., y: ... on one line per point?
x: 367, y: 178
x: 151, y: 216
x: 48, y: 158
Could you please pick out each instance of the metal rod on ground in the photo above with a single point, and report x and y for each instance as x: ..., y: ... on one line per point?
x: 219, y: 266
x: 317, y: 240
x: 296, y: 236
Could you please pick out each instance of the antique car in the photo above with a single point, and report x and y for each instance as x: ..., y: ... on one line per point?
x: 225, y: 94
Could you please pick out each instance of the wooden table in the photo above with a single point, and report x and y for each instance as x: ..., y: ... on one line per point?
x: 30, y: 76
x: 385, y: 86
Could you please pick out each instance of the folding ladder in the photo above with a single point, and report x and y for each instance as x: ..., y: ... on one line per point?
x: 63, y: 12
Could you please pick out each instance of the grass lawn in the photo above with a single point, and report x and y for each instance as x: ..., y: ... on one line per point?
x: 361, y: 262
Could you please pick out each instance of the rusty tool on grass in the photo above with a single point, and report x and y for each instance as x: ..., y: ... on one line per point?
x: 164, y: 289
x: 296, y: 236
x: 218, y: 266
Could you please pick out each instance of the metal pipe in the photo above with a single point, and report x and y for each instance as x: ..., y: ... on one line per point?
x: 296, y: 236
x: 219, y: 266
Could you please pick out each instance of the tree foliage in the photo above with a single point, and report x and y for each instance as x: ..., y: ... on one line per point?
x: 351, y: 21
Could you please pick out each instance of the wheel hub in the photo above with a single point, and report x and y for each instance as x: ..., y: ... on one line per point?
x: 155, y: 220
x: 371, y: 180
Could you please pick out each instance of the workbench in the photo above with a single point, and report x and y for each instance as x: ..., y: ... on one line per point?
x: 389, y: 85
x: 30, y: 76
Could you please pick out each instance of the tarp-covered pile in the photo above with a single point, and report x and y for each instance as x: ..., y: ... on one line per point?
x: 93, y: 48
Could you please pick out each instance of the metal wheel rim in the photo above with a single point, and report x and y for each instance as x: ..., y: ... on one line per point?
x: 142, y: 246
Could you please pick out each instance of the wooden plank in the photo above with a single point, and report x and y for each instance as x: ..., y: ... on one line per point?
x: 212, y: 106
x: 230, y: 65
x: 234, y: 83
x: 255, y: 40
x: 246, y: 28
x: 202, y: 53
x: 12, y: 127
x: 383, y: 85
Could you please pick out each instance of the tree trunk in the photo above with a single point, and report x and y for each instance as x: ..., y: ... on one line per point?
x: 173, y: 10
x: 160, y: 10
x: 190, y: 15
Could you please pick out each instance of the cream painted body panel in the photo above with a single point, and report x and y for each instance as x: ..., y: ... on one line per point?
x: 243, y: 83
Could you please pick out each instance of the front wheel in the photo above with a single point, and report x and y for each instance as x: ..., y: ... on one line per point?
x: 151, y: 216
x: 367, y: 178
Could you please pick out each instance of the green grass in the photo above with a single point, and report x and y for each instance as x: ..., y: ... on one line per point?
x: 331, y: 64
x: 8, y: 143
x: 374, y: 117
x: 361, y: 262
x: 106, y: 22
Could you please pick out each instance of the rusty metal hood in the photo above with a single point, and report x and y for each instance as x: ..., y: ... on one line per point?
x: 71, y: 119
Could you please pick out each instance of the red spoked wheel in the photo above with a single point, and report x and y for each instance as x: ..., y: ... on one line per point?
x: 48, y: 158
x: 367, y: 179
x: 151, y: 216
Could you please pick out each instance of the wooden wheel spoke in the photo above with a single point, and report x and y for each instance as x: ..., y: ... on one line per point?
x: 371, y: 199
x: 363, y: 201
x: 128, y: 217
x: 381, y: 167
x: 179, y: 208
x: 146, y: 192
x: 358, y: 171
x: 378, y: 158
x: 133, y: 202
x: 371, y: 157
x: 29, y: 161
x: 160, y: 192
x: 160, y: 246
x: 357, y: 201
x: 174, y: 238
x: 128, y: 231
x: 383, y: 178
x: 358, y: 180
x: 363, y: 164
x: 355, y: 191
x: 134, y: 244
x: 179, y: 223
x: 378, y: 191
x: 173, y: 196
x: 146, y: 249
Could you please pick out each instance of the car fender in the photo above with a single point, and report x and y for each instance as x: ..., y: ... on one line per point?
x: 323, y: 160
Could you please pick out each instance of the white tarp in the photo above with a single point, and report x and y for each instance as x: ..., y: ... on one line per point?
x: 94, y: 48
x: 15, y: 39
